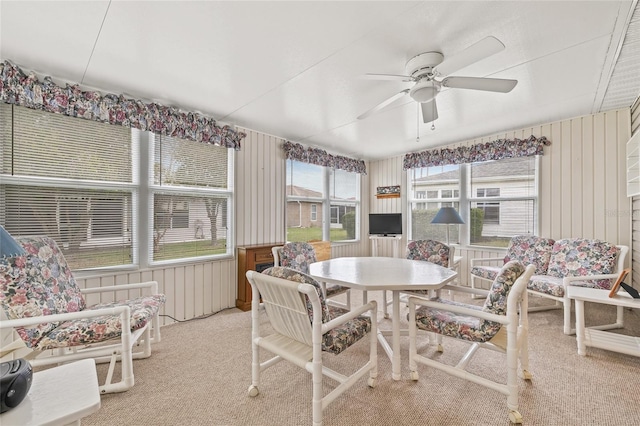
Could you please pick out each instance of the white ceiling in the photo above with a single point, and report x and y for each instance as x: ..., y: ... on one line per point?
x: 293, y: 69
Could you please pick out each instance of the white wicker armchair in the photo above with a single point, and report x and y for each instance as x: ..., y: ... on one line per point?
x: 500, y: 325
x: 304, y: 326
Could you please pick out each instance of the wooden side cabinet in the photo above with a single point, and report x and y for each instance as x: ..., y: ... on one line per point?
x: 251, y: 258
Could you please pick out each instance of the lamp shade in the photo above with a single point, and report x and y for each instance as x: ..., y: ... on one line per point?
x: 9, y: 246
x: 447, y: 215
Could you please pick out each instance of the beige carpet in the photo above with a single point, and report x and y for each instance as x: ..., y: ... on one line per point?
x: 200, y: 371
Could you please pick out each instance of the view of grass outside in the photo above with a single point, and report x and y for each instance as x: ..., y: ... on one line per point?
x: 315, y: 233
x: 90, y: 258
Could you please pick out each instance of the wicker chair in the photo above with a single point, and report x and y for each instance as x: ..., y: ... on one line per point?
x: 303, y: 327
x: 500, y: 325
x: 298, y: 256
x: 47, y: 309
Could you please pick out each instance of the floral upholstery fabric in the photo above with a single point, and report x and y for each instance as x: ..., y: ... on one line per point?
x: 300, y: 277
x: 341, y: 337
x: 429, y: 250
x: 496, y: 301
x: 41, y: 283
x: 467, y: 327
x: 333, y: 290
x: 579, y: 257
x: 530, y: 250
x: 297, y: 255
x: 98, y: 329
x: 486, y: 272
x: 38, y: 283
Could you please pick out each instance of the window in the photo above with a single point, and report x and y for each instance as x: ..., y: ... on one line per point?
x: 315, y: 193
x: 511, y: 184
x: 83, y: 183
x: 190, y: 199
x: 498, y: 200
x: 441, y: 186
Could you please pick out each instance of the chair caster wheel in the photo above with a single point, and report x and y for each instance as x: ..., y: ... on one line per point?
x: 440, y: 348
x: 526, y: 375
x: 515, y: 417
x: 414, y: 375
x: 371, y: 382
x: 253, y: 391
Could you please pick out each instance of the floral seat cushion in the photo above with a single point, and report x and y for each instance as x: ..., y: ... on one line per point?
x: 333, y: 290
x: 341, y: 337
x: 38, y: 283
x: 297, y: 255
x: 98, y: 329
x: 576, y: 257
x: 487, y: 272
x: 466, y: 327
x: 429, y: 250
x: 530, y: 250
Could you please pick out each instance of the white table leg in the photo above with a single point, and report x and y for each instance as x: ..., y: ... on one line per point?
x: 395, y: 338
x: 582, y: 348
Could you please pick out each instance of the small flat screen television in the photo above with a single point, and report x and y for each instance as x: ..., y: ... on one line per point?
x: 385, y: 224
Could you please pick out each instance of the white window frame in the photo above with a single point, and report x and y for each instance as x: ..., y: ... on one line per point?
x: 466, y: 199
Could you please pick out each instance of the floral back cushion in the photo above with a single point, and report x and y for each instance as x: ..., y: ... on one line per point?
x: 38, y: 283
x: 530, y: 250
x: 297, y: 255
x: 297, y: 276
x: 496, y: 301
x: 575, y: 257
x: 430, y: 250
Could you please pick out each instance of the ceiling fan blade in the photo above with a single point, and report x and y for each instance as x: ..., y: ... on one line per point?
x: 429, y: 111
x: 482, y: 49
x: 383, y: 104
x: 478, y: 83
x: 394, y: 77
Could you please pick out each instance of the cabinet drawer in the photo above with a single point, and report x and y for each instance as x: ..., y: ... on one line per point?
x: 264, y: 256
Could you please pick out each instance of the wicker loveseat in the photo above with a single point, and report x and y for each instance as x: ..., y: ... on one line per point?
x: 559, y: 264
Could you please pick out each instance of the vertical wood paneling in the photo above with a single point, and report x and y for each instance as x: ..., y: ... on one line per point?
x: 554, y: 174
x: 588, y: 194
x: 635, y: 210
x: 599, y: 171
x: 577, y: 185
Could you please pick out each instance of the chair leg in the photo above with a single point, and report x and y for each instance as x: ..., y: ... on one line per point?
x: 255, y: 349
x: 567, y: 316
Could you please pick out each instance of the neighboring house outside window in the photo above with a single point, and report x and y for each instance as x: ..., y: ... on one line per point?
x: 497, y: 199
x: 322, y: 203
x: 80, y: 182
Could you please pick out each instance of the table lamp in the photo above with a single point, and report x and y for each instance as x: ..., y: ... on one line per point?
x: 447, y: 215
x: 9, y: 246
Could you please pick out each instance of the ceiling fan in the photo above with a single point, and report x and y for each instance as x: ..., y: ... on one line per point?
x: 427, y: 70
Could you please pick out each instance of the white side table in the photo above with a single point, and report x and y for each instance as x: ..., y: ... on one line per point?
x: 589, y: 336
x: 58, y: 396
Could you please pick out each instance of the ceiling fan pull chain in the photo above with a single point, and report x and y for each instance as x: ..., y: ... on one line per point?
x: 418, y: 125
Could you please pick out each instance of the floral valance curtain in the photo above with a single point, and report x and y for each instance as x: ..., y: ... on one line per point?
x: 319, y: 157
x: 18, y: 88
x: 496, y: 150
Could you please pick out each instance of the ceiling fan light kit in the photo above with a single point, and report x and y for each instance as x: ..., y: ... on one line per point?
x: 423, y: 69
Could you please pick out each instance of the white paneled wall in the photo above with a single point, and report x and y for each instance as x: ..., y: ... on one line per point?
x: 582, y: 178
x: 635, y: 208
